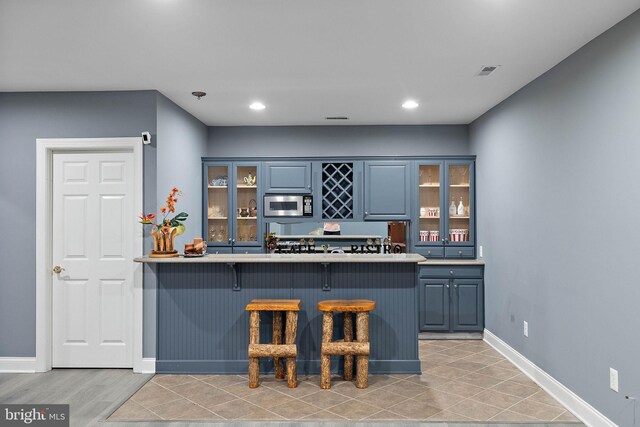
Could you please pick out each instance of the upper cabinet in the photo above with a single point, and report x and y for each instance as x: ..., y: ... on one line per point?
x: 231, y: 205
x: 287, y: 177
x: 338, y: 189
x: 446, y: 209
x: 387, y: 190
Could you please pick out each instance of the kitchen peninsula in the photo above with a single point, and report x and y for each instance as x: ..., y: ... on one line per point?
x: 202, y: 326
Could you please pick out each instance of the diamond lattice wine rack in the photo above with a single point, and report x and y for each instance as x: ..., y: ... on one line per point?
x: 337, y: 190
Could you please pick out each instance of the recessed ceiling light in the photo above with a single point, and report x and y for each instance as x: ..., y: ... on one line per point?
x: 257, y: 106
x: 410, y: 104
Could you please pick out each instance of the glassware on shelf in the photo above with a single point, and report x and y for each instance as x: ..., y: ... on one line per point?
x: 212, y: 233
x: 452, y: 208
x: 460, y: 208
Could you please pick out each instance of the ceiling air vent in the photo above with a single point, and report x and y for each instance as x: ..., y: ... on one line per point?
x: 336, y: 118
x: 486, y: 70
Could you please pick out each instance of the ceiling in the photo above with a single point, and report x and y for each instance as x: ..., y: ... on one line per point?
x: 304, y: 59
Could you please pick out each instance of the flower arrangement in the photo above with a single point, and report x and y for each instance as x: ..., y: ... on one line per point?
x: 272, y: 241
x: 166, y: 230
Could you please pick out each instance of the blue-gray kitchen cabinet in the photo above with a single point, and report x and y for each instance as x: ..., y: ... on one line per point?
x: 468, y: 305
x: 227, y: 188
x: 434, y: 305
x: 337, y: 190
x: 451, y: 298
x: 445, y: 208
x: 387, y: 194
x: 287, y: 177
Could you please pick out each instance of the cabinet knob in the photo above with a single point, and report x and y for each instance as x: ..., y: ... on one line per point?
x: 447, y: 286
x: 459, y: 252
x: 366, y: 213
x: 229, y: 240
x: 451, y: 272
x: 428, y: 252
x: 233, y: 240
x: 455, y: 286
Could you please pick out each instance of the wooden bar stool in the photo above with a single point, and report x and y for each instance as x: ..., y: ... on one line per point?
x: 346, y: 347
x: 277, y: 350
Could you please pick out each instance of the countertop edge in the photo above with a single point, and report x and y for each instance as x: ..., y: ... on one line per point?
x: 452, y: 262
x: 284, y: 259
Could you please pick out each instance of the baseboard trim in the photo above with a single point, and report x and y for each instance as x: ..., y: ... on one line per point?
x: 146, y: 366
x: 18, y: 364
x: 581, y: 409
x: 305, y: 367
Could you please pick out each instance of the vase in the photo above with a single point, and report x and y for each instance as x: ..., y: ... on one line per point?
x: 163, y: 243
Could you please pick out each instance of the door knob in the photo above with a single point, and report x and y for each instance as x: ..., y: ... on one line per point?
x: 57, y: 269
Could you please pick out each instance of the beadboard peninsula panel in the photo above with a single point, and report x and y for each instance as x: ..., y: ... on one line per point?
x: 203, y: 326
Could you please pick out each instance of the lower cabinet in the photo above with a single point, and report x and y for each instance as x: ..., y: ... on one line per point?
x: 453, y: 301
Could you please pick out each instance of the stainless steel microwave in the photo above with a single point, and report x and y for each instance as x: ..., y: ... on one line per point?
x: 288, y: 205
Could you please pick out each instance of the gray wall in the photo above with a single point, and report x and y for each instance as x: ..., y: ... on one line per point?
x: 288, y: 141
x: 558, y: 197
x: 181, y: 143
x: 23, y: 118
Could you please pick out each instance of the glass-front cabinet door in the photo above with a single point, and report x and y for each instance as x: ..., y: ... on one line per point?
x: 231, y: 206
x: 460, y: 203
x: 445, y: 209
x: 246, y: 219
x: 218, y: 204
x: 430, y: 201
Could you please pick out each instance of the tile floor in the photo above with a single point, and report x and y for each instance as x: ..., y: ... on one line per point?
x: 460, y: 381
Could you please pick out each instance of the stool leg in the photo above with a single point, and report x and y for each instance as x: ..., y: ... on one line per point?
x: 291, y: 329
x: 325, y: 359
x: 362, y: 333
x: 254, y: 338
x: 348, y: 337
x: 277, y: 339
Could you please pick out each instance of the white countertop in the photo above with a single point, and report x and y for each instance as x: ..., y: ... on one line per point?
x: 289, y: 258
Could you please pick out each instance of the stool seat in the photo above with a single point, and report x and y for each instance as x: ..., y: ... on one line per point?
x: 274, y: 305
x: 353, y: 305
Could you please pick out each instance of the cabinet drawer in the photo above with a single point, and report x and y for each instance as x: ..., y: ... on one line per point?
x: 429, y: 252
x: 248, y: 250
x: 217, y: 250
x: 454, y: 271
x: 459, y: 252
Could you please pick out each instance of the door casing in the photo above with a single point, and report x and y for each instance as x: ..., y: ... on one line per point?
x: 45, y: 148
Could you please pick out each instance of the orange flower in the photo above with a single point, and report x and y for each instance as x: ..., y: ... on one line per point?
x: 175, y: 190
x: 146, y: 219
x: 163, y: 209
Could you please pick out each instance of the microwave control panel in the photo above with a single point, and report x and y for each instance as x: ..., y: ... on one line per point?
x: 307, y: 205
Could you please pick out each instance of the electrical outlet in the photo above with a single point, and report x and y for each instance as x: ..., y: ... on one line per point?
x: 480, y: 251
x: 613, y: 379
x: 526, y: 328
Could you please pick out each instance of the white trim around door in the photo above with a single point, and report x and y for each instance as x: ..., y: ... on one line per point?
x: 44, y: 170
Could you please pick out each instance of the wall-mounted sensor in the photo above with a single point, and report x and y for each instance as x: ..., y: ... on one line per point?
x: 146, y: 138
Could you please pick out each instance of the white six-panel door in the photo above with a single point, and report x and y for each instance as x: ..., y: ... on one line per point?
x: 92, y: 227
